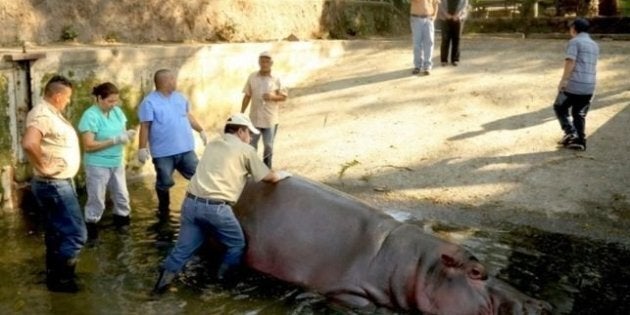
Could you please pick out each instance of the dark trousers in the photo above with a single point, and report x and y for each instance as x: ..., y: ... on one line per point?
x: 578, y: 105
x: 451, y: 33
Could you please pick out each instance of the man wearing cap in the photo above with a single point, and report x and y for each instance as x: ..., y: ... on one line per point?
x: 577, y: 85
x: 217, y: 184
x: 265, y: 93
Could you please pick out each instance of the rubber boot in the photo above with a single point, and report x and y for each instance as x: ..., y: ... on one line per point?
x: 227, y: 276
x: 92, y: 231
x: 121, y: 223
x: 164, y: 201
x: 164, y: 280
x: 61, y: 276
x: 222, y: 273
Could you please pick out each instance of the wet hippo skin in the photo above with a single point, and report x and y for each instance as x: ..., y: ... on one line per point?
x: 314, y: 236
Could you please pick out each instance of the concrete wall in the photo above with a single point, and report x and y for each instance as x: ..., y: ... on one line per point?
x: 212, y: 76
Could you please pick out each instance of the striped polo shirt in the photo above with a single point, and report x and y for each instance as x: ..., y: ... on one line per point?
x: 584, y: 51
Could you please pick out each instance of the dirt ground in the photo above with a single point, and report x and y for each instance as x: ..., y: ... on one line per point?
x: 473, y: 145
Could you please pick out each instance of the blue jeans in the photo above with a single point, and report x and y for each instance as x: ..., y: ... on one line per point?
x: 268, y: 135
x: 578, y: 105
x: 65, y: 229
x: 422, y: 32
x: 185, y: 163
x: 199, y: 220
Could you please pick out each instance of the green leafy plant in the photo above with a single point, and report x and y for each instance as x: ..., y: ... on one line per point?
x: 68, y: 33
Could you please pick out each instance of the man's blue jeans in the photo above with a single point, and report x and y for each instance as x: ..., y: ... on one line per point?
x: 65, y: 229
x: 199, y: 220
x: 268, y: 135
x: 422, y: 33
x: 185, y: 163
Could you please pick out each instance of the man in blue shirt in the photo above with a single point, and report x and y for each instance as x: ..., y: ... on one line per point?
x: 166, y: 125
x: 577, y: 85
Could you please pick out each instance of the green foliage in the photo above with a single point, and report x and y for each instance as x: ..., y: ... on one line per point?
x: 5, y: 133
x: 69, y: 33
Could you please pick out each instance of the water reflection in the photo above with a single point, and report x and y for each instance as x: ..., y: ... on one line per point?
x: 577, y: 276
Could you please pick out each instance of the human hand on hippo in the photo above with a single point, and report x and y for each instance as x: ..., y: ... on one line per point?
x: 314, y: 236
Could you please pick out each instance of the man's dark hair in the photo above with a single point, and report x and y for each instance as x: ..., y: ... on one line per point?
x: 230, y: 128
x: 158, y: 74
x: 580, y: 25
x: 56, y: 84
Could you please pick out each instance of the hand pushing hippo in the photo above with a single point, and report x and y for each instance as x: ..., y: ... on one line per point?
x: 311, y: 235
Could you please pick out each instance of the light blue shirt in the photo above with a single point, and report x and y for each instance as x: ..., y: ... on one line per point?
x: 104, y: 127
x: 170, y: 132
x: 584, y: 51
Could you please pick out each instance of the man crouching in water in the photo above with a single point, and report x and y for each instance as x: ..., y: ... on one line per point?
x: 217, y: 184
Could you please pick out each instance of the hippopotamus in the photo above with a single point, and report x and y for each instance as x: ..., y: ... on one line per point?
x: 319, y: 238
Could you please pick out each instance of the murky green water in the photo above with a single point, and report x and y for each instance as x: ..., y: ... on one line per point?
x: 577, y: 276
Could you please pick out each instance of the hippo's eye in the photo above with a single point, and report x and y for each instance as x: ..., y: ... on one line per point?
x: 477, y: 273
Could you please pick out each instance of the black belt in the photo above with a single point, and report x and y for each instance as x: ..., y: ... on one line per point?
x: 206, y: 200
x: 51, y: 180
x: 420, y: 16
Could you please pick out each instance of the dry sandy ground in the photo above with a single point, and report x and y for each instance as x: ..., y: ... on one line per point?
x: 473, y: 145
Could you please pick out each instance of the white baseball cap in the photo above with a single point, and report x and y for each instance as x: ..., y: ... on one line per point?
x: 242, y: 120
x: 265, y: 54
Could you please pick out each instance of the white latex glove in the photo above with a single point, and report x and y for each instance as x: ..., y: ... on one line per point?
x: 125, y: 136
x: 143, y: 155
x: 283, y: 174
x: 131, y: 133
x: 204, y: 137
x: 121, y: 138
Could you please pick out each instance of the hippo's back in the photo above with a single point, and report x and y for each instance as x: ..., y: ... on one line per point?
x: 297, y: 229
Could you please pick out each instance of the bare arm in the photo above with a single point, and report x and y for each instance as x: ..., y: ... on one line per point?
x: 193, y: 122
x: 245, y: 102
x: 276, y: 176
x: 569, y: 65
x: 144, y: 134
x: 435, y: 10
x: 276, y: 96
x: 31, y: 143
x: 91, y: 145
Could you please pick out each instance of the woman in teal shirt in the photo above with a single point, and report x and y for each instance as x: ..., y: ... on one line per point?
x: 102, y: 128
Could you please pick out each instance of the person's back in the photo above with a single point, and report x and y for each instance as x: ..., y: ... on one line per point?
x: 226, y: 163
x: 585, y: 51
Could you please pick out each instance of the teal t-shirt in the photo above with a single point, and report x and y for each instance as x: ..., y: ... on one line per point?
x: 103, y: 127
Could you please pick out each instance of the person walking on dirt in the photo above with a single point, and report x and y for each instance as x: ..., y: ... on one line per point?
x: 103, y: 133
x: 451, y: 14
x: 217, y: 184
x: 166, y: 124
x: 423, y: 13
x: 577, y: 85
x: 52, y: 147
x: 265, y: 93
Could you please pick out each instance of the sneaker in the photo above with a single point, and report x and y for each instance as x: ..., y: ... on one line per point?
x: 576, y: 144
x: 415, y: 71
x: 455, y: 63
x: 567, y: 138
x: 444, y: 63
x: 426, y: 72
